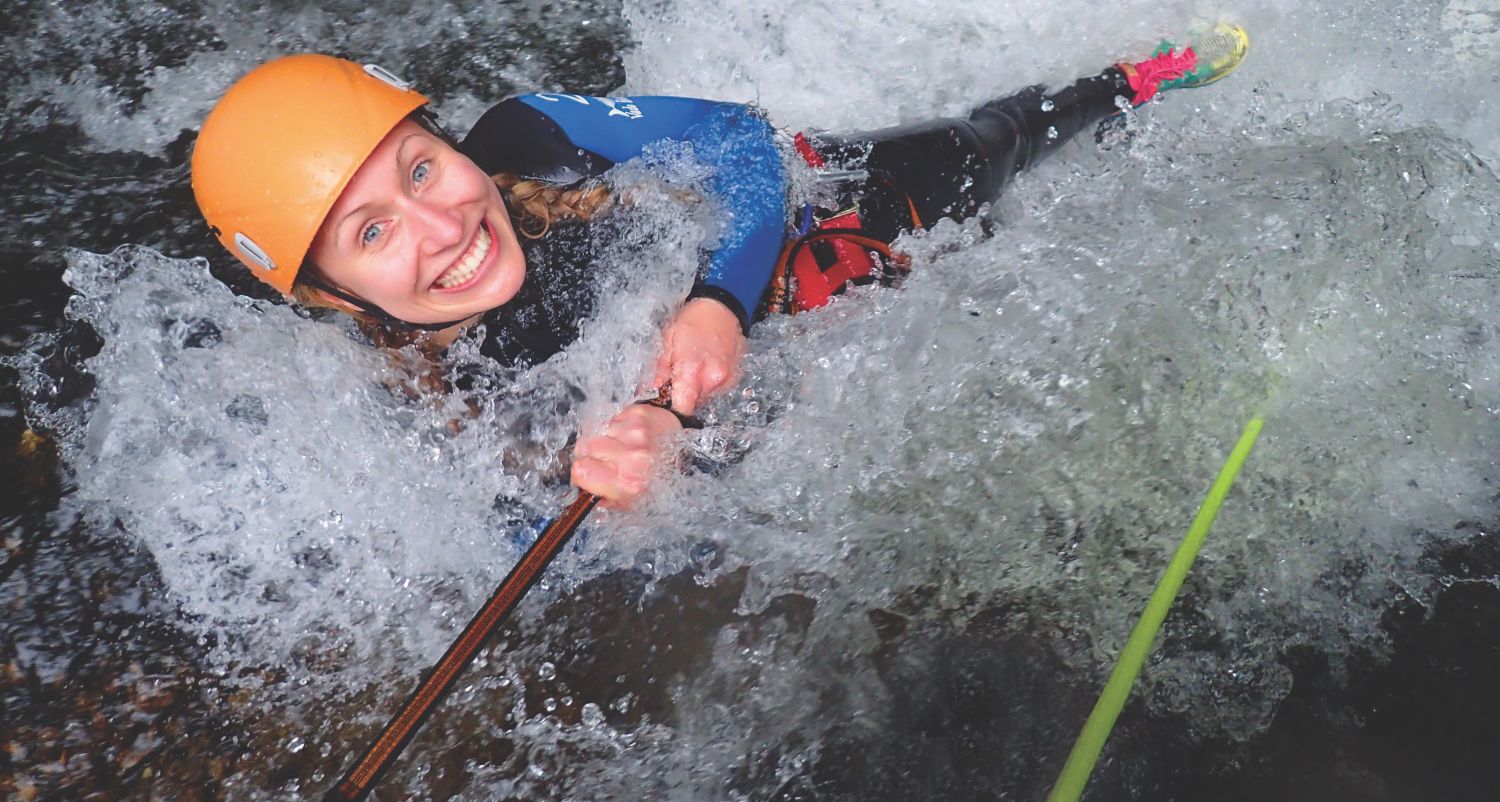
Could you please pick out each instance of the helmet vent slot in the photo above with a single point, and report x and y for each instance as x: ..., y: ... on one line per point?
x: 383, y: 74
x: 253, y: 252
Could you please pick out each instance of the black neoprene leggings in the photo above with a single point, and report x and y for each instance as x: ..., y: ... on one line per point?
x: 950, y: 166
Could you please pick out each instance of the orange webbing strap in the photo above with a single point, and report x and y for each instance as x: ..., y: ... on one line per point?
x: 816, y: 161
x: 360, y: 779
x: 797, y: 286
x: 877, y: 245
x: 911, y: 205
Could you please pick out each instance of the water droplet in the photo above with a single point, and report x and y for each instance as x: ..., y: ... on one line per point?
x: 295, y: 745
x: 248, y: 410
x: 199, y: 333
x: 1048, y: 105
x: 546, y: 671
x: 705, y: 553
x: 592, y: 715
x: 550, y: 704
x: 1051, y: 132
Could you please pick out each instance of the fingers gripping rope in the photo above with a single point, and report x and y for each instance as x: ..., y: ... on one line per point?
x: 398, y: 732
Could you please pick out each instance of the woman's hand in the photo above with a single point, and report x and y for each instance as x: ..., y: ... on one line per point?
x: 701, y: 353
x: 618, y: 464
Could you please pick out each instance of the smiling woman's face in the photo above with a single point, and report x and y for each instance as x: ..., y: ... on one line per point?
x: 421, y: 232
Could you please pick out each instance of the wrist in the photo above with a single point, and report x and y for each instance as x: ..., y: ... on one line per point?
x: 683, y: 421
x: 726, y: 299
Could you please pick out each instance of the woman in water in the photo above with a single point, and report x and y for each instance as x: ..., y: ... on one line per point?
x: 334, y: 185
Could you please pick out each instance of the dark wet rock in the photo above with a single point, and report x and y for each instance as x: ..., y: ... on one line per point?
x: 99, y: 699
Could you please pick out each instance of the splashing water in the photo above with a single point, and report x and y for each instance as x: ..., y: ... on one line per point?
x: 980, y: 471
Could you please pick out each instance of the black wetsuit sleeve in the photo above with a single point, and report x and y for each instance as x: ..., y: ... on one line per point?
x: 513, y: 137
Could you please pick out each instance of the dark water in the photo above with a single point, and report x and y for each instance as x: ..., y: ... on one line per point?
x: 105, y: 693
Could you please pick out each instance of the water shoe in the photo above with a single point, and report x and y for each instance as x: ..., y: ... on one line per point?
x: 1207, y: 59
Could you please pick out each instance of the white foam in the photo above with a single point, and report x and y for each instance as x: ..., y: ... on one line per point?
x: 1033, y: 418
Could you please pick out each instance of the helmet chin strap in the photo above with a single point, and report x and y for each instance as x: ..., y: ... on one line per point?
x: 312, y: 279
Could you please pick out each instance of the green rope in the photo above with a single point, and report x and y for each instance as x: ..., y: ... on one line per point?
x: 1075, y: 773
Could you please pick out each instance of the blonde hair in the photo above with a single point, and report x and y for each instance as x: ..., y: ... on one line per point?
x: 534, y: 205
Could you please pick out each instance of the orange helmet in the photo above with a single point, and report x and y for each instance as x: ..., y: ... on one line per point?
x: 281, y: 145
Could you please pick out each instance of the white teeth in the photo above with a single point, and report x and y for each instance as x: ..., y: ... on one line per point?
x: 464, y: 269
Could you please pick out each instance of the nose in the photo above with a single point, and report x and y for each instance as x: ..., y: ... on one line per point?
x: 439, y: 226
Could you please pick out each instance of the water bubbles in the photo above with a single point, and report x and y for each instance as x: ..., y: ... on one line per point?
x: 646, y: 561
x: 623, y: 703
x: 705, y: 554
x: 197, y: 333
x: 249, y: 411
x: 881, y: 423
x: 549, y: 704
x: 295, y: 744
x: 592, y: 716
x: 1052, y: 132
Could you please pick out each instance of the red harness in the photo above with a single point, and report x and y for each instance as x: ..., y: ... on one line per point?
x: 832, y: 254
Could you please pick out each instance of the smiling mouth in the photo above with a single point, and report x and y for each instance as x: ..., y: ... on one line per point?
x: 463, y: 271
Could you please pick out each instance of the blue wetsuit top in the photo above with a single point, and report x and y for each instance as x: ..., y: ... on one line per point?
x: 565, y: 139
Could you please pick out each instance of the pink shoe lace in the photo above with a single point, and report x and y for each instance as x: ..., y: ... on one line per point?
x: 1147, y: 76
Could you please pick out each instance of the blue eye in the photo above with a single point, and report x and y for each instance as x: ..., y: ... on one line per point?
x: 370, y: 234
x: 419, y: 173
